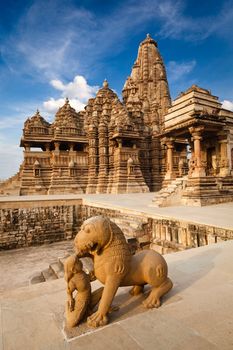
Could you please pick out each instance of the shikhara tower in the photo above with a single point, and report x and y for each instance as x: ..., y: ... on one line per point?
x: 148, y: 84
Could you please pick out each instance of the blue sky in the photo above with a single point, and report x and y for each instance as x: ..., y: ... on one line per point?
x: 56, y: 48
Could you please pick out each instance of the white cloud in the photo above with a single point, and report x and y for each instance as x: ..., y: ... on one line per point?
x: 52, y: 105
x: 177, y: 25
x: 78, y: 91
x: 56, y: 38
x: 78, y: 88
x: 177, y: 70
x: 227, y: 105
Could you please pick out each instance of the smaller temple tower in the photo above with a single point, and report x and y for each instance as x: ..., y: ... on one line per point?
x: 56, y: 155
x: 112, y: 136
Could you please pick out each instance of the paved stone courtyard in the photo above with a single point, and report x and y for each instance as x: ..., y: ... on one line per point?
x: 196, y: 314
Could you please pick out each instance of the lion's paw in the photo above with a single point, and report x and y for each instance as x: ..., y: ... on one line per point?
x: 97, y: 320
x: 136, y: 290
x: 150, y: 303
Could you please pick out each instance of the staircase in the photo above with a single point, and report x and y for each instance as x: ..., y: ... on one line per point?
x: 11, y: 186
x: 56, y: 270
x: 171, y: 194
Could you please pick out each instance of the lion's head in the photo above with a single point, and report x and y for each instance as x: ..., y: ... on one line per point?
x: 94, y: 235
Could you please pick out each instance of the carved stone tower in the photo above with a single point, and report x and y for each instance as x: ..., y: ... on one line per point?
x: 148, y: 84
x: 148, y: 80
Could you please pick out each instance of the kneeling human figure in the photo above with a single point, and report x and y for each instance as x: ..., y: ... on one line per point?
x: 78, y: 281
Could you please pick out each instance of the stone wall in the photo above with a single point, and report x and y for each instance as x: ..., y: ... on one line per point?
x: 26, y: 223
x: 31, y: 222
x: 163, y: 235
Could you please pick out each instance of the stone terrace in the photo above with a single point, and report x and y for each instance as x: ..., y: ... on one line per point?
x: 196, y: 314
x: 33, y: 220
x: 219, y: 215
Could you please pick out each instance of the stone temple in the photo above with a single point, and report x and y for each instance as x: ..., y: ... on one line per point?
x: 182, y: 149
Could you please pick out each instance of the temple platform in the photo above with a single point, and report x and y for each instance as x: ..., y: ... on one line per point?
x: 196, y: 314
x: 219, y: 215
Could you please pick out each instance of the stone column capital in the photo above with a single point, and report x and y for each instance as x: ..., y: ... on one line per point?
x: 168, y: 141
x: 196, y: 132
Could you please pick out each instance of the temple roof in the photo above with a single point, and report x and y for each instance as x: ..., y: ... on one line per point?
x: 106, y: 91
x: 148, y: 40
x: 36, y: 121
x: 67, y: 117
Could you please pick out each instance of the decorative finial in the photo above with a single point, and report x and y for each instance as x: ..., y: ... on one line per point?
x: 67, y: 101
x: 37, y: 112
x: 148, y: 35
x: 105, y: 83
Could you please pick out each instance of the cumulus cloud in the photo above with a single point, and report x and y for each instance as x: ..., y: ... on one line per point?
x: 227, y: 105
x: 78, y: 91
x: 78, y: 88
x: 177, y: 70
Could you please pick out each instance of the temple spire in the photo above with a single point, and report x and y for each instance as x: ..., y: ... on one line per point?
x: 148, y: 81
x: 105, y: 83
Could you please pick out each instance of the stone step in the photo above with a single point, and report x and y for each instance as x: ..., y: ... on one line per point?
x: 62, y: 260
x: 134, y: 222
x: 49, y: 275
x: 38, y: 278
x: 172, y: 187
x: 57, y: 268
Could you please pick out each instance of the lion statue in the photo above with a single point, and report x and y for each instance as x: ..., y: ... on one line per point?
x: 115, y: 266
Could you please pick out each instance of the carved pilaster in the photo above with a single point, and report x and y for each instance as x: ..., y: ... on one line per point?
x: 224, y: 161
x: 170, y: 174
x: 103, y: 159
x: 93, y: 159
x: 196, y: 163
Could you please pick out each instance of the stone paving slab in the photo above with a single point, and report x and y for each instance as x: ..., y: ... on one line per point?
x: 196, y: 314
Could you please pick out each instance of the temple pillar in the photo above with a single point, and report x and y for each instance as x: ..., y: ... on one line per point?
x: 198, y: 168
x: 224, y: 162
x: 103, y: 159
x: 170, y: 169
x: 27, y: 147
x: 57, y: 147
x: 93, y: 159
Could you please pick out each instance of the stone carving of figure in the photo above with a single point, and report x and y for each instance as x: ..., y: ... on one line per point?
x: 214, y: 164
x: 115, y: 266
x: 77, y: 280
x: 192, y: 164
x: 130, y: 166
x: 182, y: 166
